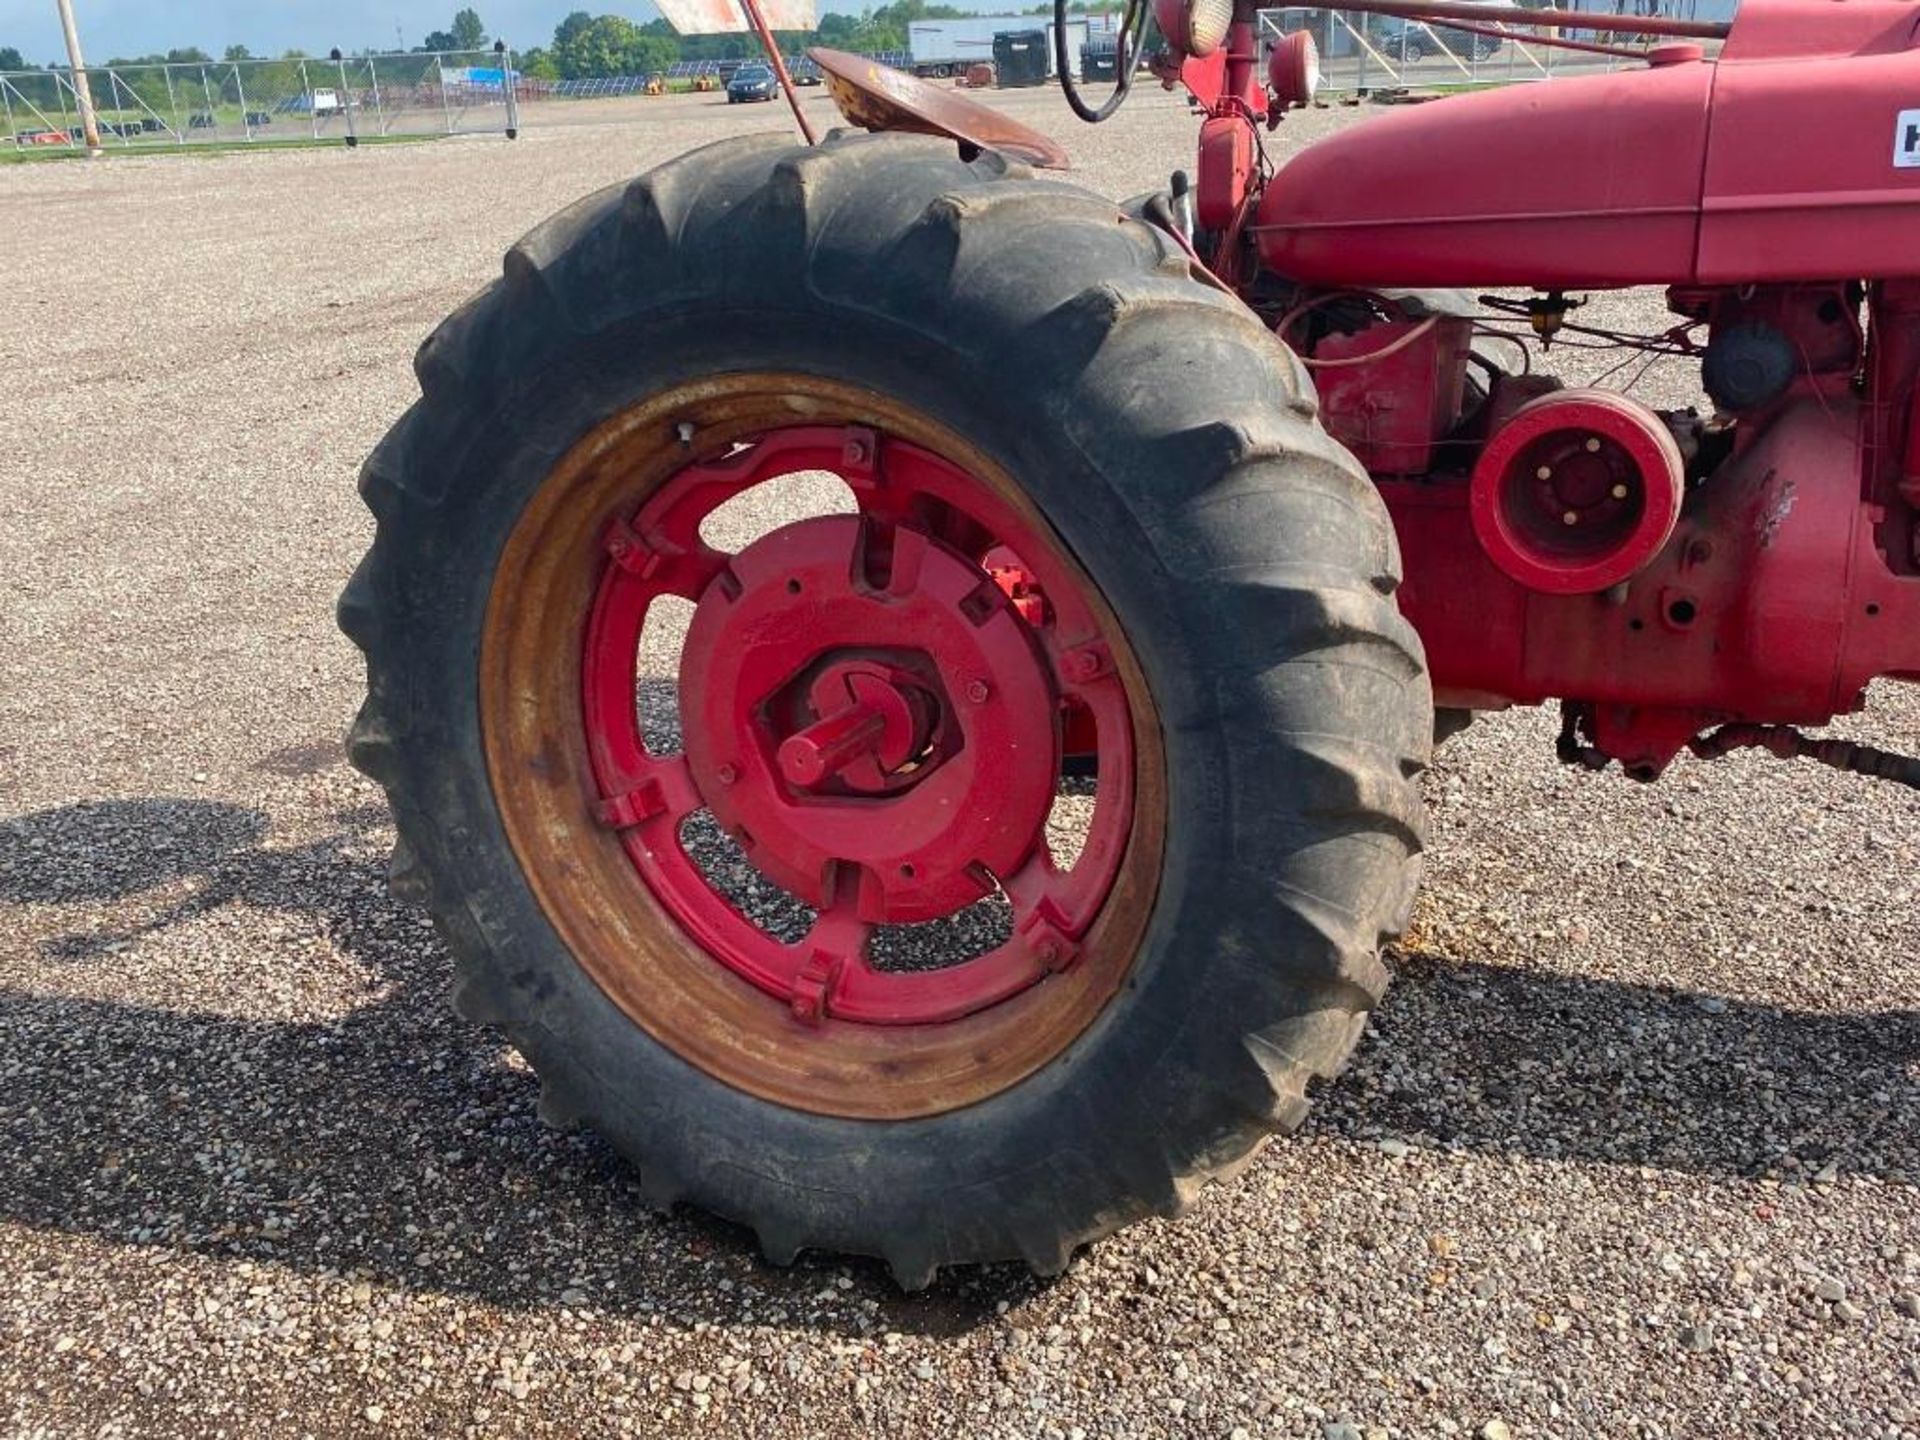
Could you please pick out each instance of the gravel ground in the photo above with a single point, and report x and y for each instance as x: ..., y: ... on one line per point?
x: 1631, y: 1149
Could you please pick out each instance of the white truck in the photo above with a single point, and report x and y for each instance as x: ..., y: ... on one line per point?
x: 940, y: 48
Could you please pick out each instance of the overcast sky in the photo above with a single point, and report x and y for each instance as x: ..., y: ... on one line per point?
x: 268, y: 27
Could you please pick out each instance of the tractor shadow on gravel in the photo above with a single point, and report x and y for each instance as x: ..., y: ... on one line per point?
x: 396, y: 1143
x: 1498, y: 1059
x: 392, y: 1142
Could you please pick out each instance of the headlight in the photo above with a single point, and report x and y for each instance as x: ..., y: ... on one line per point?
x: 1195, y: 27
x: 1293, y: 70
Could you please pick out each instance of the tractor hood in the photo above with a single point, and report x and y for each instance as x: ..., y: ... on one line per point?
x: 1794, y: 155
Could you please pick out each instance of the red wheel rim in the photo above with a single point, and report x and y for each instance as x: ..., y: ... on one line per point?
x: 873, y: 707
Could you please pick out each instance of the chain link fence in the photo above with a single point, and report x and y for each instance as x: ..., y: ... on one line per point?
x: 1363, y: 53
x: 459, y: 92
x: 252, y: 101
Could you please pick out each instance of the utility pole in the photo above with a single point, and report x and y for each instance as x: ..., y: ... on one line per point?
x: 82, y: 92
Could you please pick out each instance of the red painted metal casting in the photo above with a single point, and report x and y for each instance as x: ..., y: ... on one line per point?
x: 765, y: 696
x: 873, y: 707
x: 1577, y: 492
x: 1778, y: 596
x: 1722, y: 172
x: 1661, y: 574
x: 1389, y: 392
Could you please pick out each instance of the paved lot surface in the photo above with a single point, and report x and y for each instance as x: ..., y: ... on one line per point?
x: 1631, y: 1150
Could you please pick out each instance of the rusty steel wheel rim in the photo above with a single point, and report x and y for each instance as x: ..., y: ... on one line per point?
x: 872, y: 706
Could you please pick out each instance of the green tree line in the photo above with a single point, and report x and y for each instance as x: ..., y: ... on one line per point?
x: 587, y: 46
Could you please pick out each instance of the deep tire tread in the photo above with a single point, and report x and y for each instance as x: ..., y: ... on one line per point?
x: 1320, y: 621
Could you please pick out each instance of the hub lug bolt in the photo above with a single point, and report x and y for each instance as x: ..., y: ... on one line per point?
x: 1086, y: 662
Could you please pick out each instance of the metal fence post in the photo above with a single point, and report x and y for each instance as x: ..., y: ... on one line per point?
x: 379, y: 105
x: 446, y: 111
x: 512, y: 90
x: 346, y: 99
x: 60, y: 88
x: 246, y: 120
x: 173, y: 104
x: 114, y: 87
x: 313, y: 107
x: 13, y: 131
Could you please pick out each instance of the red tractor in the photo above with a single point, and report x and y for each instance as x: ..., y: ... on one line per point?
x: 965, y: 866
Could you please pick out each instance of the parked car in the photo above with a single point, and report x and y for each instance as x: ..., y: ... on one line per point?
x: 803, y: 71
x: 752, y: 82
x: 1399, y: 39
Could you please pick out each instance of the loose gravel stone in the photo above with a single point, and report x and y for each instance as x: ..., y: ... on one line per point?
x: 1651, y: 1049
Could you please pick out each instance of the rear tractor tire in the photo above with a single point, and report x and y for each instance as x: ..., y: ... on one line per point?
x: 669, y: 856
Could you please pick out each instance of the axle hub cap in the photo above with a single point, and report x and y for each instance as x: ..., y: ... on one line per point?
x: 822, y: 726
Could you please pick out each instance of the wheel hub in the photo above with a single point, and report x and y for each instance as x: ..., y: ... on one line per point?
x: 868, y: 734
